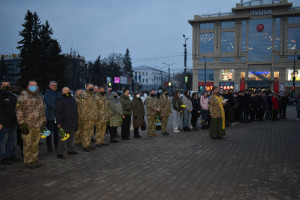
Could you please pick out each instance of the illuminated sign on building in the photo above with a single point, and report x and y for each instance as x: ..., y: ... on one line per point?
x: 261, y: 12
x: 117, y: 79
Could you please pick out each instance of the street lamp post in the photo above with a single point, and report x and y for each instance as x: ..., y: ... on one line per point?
x: 168, y: 72
x: 184, y: 45
x: 294, y: 77
x: 204, y: 73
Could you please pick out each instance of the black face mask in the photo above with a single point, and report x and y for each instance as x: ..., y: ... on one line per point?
x: 67, y: 95
x: 115, y: 97
x: 102, y: 93
x: 152, y: 95
x: 166, y: 94
x: 6, y: 88
x: 91, y: 89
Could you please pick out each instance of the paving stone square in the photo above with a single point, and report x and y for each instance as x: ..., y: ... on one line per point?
x: 260, y: 160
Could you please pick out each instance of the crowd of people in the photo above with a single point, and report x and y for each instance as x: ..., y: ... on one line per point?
x: 94, y: 111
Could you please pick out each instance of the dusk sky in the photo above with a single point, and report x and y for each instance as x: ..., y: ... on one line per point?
x: 152, y: 30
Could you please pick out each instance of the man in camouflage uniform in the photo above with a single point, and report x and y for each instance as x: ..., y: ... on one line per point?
x: 153, y: 108
x: 89, y: 112
x: 31, y: 117
x: 165, y: 112
x: 80, y: 102
x: 102, y: 117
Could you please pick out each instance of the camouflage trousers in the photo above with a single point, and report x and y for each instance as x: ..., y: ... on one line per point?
x: 78, y: 134
x: 87, y: 132
x: 151, y: 126
x: 31, y: 144
x: 100, y: 132
x: 164, y: 123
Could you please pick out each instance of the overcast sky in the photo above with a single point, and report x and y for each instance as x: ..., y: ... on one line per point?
x: 151, y: 29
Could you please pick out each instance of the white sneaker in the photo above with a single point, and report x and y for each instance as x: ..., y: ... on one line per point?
x: 176, y: 130
x: 191, y: 127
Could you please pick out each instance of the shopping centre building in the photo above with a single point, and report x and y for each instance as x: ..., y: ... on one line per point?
x: 256, y: 46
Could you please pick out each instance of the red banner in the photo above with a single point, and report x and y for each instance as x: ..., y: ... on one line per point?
x: 276, y: 85
x: 242, y: 84
x: 207, y: 83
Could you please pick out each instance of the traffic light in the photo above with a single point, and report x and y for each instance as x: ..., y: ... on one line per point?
x: 293, y: 88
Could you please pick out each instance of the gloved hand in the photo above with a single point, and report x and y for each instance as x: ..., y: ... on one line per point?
x: 24, y: 129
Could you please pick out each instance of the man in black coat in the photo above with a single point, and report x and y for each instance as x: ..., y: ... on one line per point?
x: 66, y: 118
x: 247, y: 105
x: 8, y: 124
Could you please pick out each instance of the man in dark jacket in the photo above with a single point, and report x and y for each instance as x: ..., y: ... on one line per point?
x: 283, y: 104
x: 8, y: 124
x: 127, y: 110
x: 50, y: 97
x: 247, y: 105
x: 67, y: 118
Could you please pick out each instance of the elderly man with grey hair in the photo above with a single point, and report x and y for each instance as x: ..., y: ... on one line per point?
x: 50, y: 97
x: 67, y: 118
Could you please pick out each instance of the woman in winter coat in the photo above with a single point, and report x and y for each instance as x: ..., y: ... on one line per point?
x: 205, y: 113
x: 186, y: 100
x: 116, y: 112
x: 138, y: 114
x: 196, y: 109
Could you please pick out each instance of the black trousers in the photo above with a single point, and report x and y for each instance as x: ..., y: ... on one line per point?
x: 136, y: 132
x: 54, y: 133
x: 113, y: 132
x: 194, y: 119
x: 125, y: 129
x: 282, y: 112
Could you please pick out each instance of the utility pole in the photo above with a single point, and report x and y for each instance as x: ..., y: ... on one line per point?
x: 184, y: 45
x: 294, y: 77
x: 204, y: 74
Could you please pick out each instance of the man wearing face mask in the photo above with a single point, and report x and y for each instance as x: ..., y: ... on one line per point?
x: 153, y: 109
x: 102, y: 117
x: 165, y: 112
x: 30, y: 110
x: 8, y: 124
x: 67, y: 118
x: 89, y: 110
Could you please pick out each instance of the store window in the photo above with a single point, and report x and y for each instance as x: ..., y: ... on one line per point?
x: 227, y: 41
x: 259, y: 75
x: 226, y: 74
x: 290, y: 74
x: 260, y: 40
x: 146, y: 73
x: 276, y: 74
x: 209, y: 74
x: 207, y: 26
x: 229, y: 24
x: 243, y: 75
x: 207, y: 41
x: 293, y: 41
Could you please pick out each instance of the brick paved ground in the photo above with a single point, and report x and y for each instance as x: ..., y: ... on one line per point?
x: 255, y: 161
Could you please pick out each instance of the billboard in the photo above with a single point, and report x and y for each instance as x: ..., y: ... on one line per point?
x: 117, y: 80
x: 290, y: 74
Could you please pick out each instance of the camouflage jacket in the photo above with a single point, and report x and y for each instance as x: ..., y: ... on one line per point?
x: 165, y: 105
x: 30, y: 110
x: 88, y: 107
x: 80, y: 104
x: 103, y: 108
x: 152, y: 104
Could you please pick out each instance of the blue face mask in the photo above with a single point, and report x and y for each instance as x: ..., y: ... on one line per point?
x: 160, y: 91
x: 32, y: 88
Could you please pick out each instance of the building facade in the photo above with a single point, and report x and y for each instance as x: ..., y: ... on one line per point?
x: 11, y: 72
x: 256, y: 46
x: 149, y: 77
